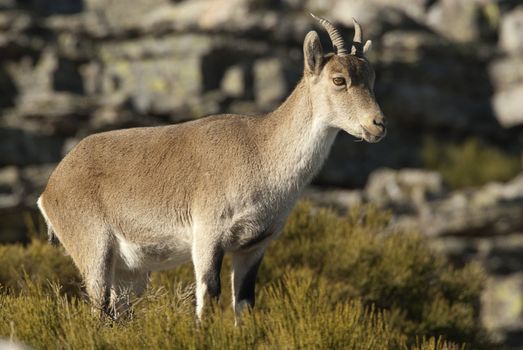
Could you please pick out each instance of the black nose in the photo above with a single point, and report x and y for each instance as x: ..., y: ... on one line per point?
x: 379, y: 123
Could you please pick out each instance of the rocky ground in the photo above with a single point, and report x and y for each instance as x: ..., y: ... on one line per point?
x: 447, y: 70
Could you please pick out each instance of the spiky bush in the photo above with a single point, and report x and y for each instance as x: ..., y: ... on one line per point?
x: 329, y: 282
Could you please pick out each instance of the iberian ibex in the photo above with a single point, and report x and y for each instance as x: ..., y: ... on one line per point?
x: 128, y: 202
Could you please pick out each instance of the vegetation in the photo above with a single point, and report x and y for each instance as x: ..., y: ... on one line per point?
x: 329, y: 282
x: 471, y: 163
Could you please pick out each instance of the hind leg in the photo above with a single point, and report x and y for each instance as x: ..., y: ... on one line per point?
x: 127, y: 284
x: 97, y: 268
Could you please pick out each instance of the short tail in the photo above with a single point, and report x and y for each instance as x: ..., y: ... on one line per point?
x: 51, y: 236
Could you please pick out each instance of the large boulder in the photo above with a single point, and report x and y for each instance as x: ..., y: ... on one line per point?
x: 508, y: 106
x: 399, y: 45
x: 502, y: 307
x: 462, y: 20
x: 369, y: 13
x: 236, y: 81
x: 35, y: 179
x: 11, y: 187
x: 404, y: 190
x: 120, y: 15
x: 494, y: 209
x: 507, y: 76
x: 340, y: 199
x: 506, y: 72
x: 511, y: 34
x: 231, y: 16
x: 270, y: 85
x: 157, y: 76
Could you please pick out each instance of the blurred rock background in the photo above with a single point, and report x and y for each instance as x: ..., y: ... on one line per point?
x: 449, y: 79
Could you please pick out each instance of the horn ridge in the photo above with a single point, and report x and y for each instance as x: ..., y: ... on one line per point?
x: 357, y: 44
x: 334, y: 34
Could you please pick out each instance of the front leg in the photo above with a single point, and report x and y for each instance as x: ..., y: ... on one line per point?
x: 245, y: 267
x: 207, y: 257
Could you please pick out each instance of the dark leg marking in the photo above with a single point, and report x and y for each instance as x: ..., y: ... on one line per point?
x: 212, y: 277
x: 247, y: 285
x: 108, y: 267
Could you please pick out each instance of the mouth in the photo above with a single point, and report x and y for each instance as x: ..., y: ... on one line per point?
x: 372, y: 137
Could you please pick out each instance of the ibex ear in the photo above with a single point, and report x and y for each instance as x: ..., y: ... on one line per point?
x: 313, y: 53
x: 368, y: 45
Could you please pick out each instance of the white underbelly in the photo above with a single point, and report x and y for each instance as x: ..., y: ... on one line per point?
x: 161, y: 254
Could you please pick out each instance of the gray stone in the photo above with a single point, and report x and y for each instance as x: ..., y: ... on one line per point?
x: 506, y: 72
x: 34, y: 77
x: 72, y: 28
x: 504, y: 255
x: 231, y: 16
x: 403, y: 189
x: 508, y: 106
x: 122, y: 16
x: 14, y: 22
x: 69, y: 144
x: 51, y: 113
x: 502, y: 304
x: 55, y: 104
x: 244, y: 107
x: 408, y: 45
x: 457, y: 20
x: 156, y: 85
x: 9, y: 176
x: 179, y: 45
x: 156, y: 75
x: 498, y: 255
x: 35, y: 177
x: 234, y: 82
x: 366, y: 12
x: 340, y: 199
x: 270, y: 86
x: 511, y: 34
x: 209, y: 103
x: 491, y: 210
x: 11, y: 188
x: 111, y: 116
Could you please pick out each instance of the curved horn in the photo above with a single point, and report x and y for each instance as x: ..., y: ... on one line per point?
x: 357, y: 45
x: 334, y: 34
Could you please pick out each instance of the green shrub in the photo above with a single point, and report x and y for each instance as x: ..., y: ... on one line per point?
x: 329, y: 282
x: 471, y: 163
x: 40, y: 262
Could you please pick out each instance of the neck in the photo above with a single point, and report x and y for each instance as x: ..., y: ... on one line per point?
x: 298, y: 141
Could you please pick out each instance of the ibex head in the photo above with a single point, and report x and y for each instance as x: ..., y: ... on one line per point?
x: 342, y: 84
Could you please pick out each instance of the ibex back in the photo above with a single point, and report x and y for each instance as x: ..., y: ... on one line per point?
x: 128, y: 202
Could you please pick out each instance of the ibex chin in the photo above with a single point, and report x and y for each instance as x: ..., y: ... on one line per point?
x: 128, y: 202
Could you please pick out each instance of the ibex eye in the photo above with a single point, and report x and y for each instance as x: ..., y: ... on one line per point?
x: 338, y: 81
